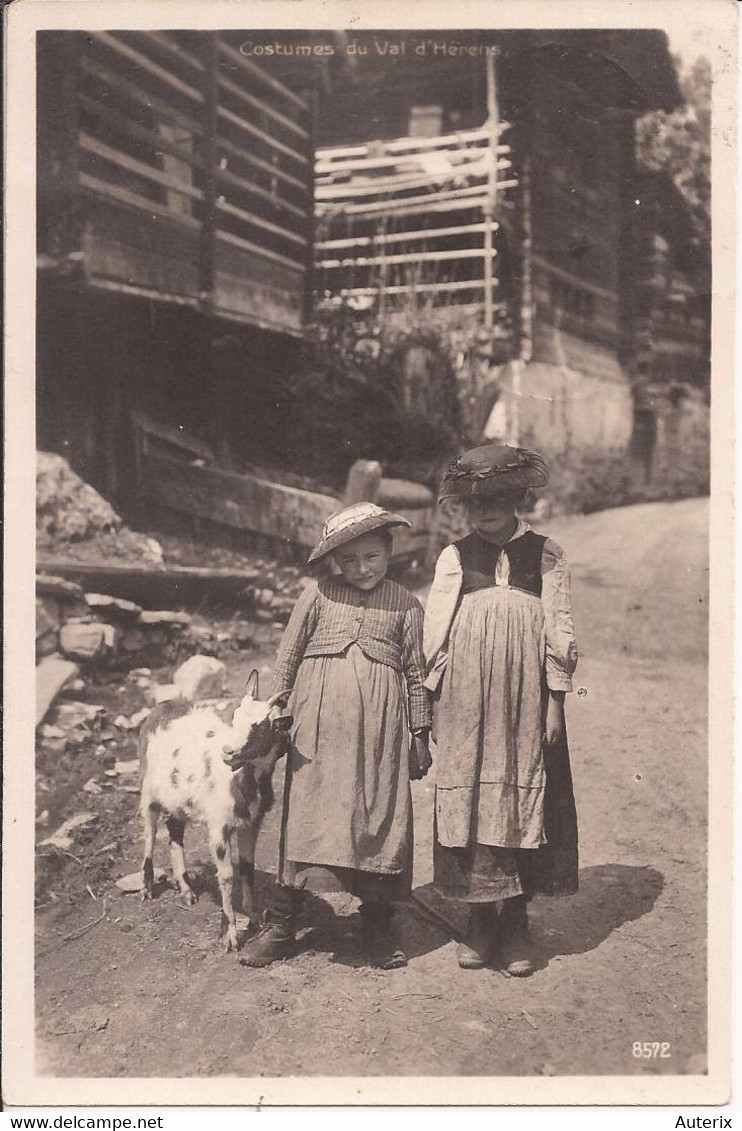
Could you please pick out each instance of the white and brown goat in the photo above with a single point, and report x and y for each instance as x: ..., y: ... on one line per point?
x: 196, y: 765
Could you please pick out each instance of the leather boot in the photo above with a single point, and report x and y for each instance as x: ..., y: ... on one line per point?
x: 380, y: 936
x: 517, y: 950
x: 474, y: 952
x: 275, y: 938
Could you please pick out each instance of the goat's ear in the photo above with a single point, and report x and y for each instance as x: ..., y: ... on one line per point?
x: 251, y: 687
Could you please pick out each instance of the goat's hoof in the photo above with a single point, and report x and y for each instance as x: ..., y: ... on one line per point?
x: 230, y: 941
x: 146, y: 895
x: 189, y: 896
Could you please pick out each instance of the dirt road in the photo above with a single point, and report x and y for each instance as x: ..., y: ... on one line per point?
x: 147, y: 992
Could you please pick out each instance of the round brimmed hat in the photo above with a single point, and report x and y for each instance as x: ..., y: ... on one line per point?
x: 493, y: 469
x: 351, y: 522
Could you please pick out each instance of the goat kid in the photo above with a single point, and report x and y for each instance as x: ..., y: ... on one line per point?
x: 197, y: 766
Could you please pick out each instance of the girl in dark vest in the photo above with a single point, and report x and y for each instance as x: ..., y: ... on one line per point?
x: 500, y: 649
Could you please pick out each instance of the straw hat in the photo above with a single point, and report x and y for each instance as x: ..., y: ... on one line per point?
x: 493, y: 469
x: 351, y: 522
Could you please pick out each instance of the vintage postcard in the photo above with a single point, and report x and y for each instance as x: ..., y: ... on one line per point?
x: 369, y: 487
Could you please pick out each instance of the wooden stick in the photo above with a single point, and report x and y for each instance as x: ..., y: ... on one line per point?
x: 410, y: 257
x: 124, y: 161
x: 401, y: 237
x: 123, y: 49
x: 411, y: 143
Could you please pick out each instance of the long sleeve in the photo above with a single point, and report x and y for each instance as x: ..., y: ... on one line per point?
x: 561, y: 646
x: 302, y: 624
x: 440, y: 608
x: 413, y: 665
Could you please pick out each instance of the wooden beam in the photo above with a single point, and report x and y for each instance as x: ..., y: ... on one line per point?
x: 257, y: 72
x: 576, y: 280
x: 401, y: 237
x: 134, y: 200
x: 111, y: 41
x: 124, y: 161
x: 175, y: 49
x: 410, y: 257
x: 131, y: 90
x: 332, y: 167
x: 456, y: 285
x: 402, y: 144
x: 393, y: 207
x: 251, y: 218
x: 263, y: 107
x: 248, y: 186
x: 248, y: 127
x: 251, y: 159
x: 397, y: 184
x: 207, y: 260
x: 141, y: 133
x: 238, y: 241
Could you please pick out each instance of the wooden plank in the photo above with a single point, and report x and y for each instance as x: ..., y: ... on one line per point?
x: 396, y: 184
x: 263, y: 107
x: 175, y: 49
x: 419, y: 257
x: 238, y: 241
x: 251, y: 218
x: 91, y: 145
x: 261, y: 75
x: 392, y: 206
x: 401, y: 237
x: 248, y: 127
x: 124, y: 196
x: 323, y: 168
x: 252, y: 159
x: 400, y: 145
x: 136, y: 94
x: 575, y: 280
x: 248, y: 186
x: 146, y: 64
x: 153, y: 587
x: 207, y: 250
x: 143, y: 292
x: 457, y: 285
x: 140, y: 133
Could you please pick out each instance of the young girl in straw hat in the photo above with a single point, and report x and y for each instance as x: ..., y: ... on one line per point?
x: 352, y: 659
x: 500, y: 648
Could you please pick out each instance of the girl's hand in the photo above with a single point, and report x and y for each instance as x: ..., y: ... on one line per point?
x: 555, y: 725
x: 420, y: 759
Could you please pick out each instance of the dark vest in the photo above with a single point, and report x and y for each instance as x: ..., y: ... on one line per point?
x: 479, y: 557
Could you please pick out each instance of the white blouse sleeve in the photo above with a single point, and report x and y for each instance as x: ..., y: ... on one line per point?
x: 561, y: 646
x: 440, y: 609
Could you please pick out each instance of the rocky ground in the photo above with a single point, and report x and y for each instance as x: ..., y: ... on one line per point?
x: 126, y: 989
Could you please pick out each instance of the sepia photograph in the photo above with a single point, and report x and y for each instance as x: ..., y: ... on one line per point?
x: 369, y: 371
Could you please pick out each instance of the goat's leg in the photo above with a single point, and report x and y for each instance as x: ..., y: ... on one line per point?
x: 222, y: 850
x: 150, y: 816
x: 246, y: 838
x: 176, y: 828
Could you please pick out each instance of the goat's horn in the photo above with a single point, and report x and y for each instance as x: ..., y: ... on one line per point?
x: 274, y: 699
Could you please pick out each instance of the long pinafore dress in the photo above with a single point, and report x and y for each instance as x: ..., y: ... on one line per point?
x: 505, y: 820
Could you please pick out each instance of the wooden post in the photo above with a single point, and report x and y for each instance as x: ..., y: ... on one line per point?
x: 488, y: 210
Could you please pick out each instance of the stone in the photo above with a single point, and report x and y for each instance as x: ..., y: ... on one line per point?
x: 52, y: 673
x: 133, y: 882
x: 164, y: 619
x: 63, y: 838
x: 125, y: 612
x: 72, y: 714
x: 92, y: 786
x: 201, y: 677
x: 133, y: 640
x: 165, y: 692
x: 48, y: 618
x: 83, y: 641
x: 130, y: 767
x: 66, y: 592
x: 47, y: 731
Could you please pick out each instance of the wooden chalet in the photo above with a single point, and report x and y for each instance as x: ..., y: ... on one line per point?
x: 175, y: 218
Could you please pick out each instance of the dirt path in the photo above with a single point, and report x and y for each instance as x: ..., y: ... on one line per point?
x: 147, y: 992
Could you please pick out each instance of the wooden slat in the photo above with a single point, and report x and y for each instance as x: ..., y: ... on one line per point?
x: 131, y: 90
x: 248, y: 186
x: 251, y: 218
x: 144, y: 292
x: 92, y: 145
x: 576, y: 280
x: 413, y: 257
x: 146, y: 64
x: 399, y: 184
x: 391, y: 206
x: 411, y: 143
x: 457, y: 285
x: 141, y: 133
x: 258, y: 73
x: 124, y: 196
x: 324, y: 168
x: 402, y: 237
x: 251, y: 100
x: 247, y: 245
x: 443, y: 202
x: 248, y: 127
x: 251, y: 159
x: 175, y: 49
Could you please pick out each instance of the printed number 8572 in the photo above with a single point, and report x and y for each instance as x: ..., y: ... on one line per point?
x: 651, y: 1050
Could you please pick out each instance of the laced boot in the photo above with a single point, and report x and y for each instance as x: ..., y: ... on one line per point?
x: 274, y: 938
x: 474, y: 952
x: 517, y: 949
x: 381, y: 937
